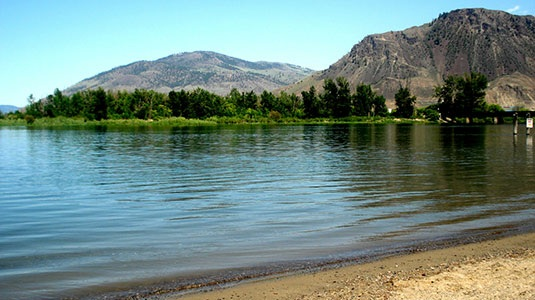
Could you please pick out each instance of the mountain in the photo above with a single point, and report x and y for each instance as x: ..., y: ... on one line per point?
x: 211, y: 71
x: 495, y: 43
x: 8, y: 108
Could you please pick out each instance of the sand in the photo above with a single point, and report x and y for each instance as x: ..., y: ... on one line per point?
x: 494, y: 269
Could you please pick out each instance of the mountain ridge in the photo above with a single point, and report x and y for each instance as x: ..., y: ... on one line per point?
x: 215, y: 72
x: 495, y: 43
x: 6, y: 108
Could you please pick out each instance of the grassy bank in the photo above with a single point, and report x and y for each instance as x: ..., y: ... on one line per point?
x: 62, y: 122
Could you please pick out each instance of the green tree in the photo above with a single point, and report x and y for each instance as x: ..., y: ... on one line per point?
x: 472, y: 94
x: 34, y: 108
x: 178, y: 102
x: 337, y: 97
x: 86, y: 104
x: 363, y: 100
x: 287, y: 104
x: 244, y: 101
x: 100, y: 104
x: 295, y: 107
x: 268, y: 102
x: 202, y: 104
x: 141, y: 104
x: 120, y: 105
x: 75, y: 106
x: 494, y: 108
x: 462, y: 96
x: 50, y: 110
x: 330, y: 95
x: 379, y: 106
x: 430, y: 112
x: 342, y: 107
x: 251, y: 100
x: 312, y: 105
x: 404, y: 102
x: 160, y: 106
x: 234, y: 96
x: 446, y: 94
x: 61, y: 103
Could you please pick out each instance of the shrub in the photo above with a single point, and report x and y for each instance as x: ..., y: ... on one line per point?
x: 29, y: 119
x: 275, y: 115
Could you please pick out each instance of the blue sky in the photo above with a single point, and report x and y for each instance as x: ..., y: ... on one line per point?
x: 52, y: 44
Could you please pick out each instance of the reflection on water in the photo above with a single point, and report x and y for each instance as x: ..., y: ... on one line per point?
x: 81, y: 209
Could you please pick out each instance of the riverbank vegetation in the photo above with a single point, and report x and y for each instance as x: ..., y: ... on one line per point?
x: 460, y: 97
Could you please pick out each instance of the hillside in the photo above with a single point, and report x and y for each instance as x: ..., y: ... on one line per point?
x: 495, y: 43
x: 211, y: 71
x: 8, y: 108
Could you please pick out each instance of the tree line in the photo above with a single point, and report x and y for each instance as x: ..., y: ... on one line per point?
x: 336, y: 101
x: 459, y: 96
x: 464, y: 97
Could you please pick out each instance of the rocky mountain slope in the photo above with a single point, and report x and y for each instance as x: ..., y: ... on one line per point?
x: 211, y: 71
x: 495, y: 43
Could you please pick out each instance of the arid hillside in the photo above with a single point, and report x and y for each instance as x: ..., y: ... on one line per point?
x: 211, y: 71
x: 495, y: 43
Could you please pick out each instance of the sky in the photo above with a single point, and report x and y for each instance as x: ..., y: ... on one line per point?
x: 51, y: 44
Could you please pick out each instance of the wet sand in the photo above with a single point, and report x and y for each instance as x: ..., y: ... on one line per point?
x: 502, y: 268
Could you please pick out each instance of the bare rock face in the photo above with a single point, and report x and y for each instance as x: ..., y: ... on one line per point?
x: 211, y: 71
x: 495, y: 43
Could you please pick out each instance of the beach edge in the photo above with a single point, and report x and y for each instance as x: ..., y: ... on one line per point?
x: 388, y: 276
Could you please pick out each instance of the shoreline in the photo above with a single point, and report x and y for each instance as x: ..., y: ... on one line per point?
x: 172, y: 122
x: 372, y: 275
x: 400, y: 276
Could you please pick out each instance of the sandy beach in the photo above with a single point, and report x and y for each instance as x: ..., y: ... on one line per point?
x: 502, y: 268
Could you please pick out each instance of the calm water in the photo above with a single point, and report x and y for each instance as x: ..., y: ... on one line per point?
x: 84, y: 210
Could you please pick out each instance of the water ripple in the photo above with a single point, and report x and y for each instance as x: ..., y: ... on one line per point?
x: 88, y: 208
